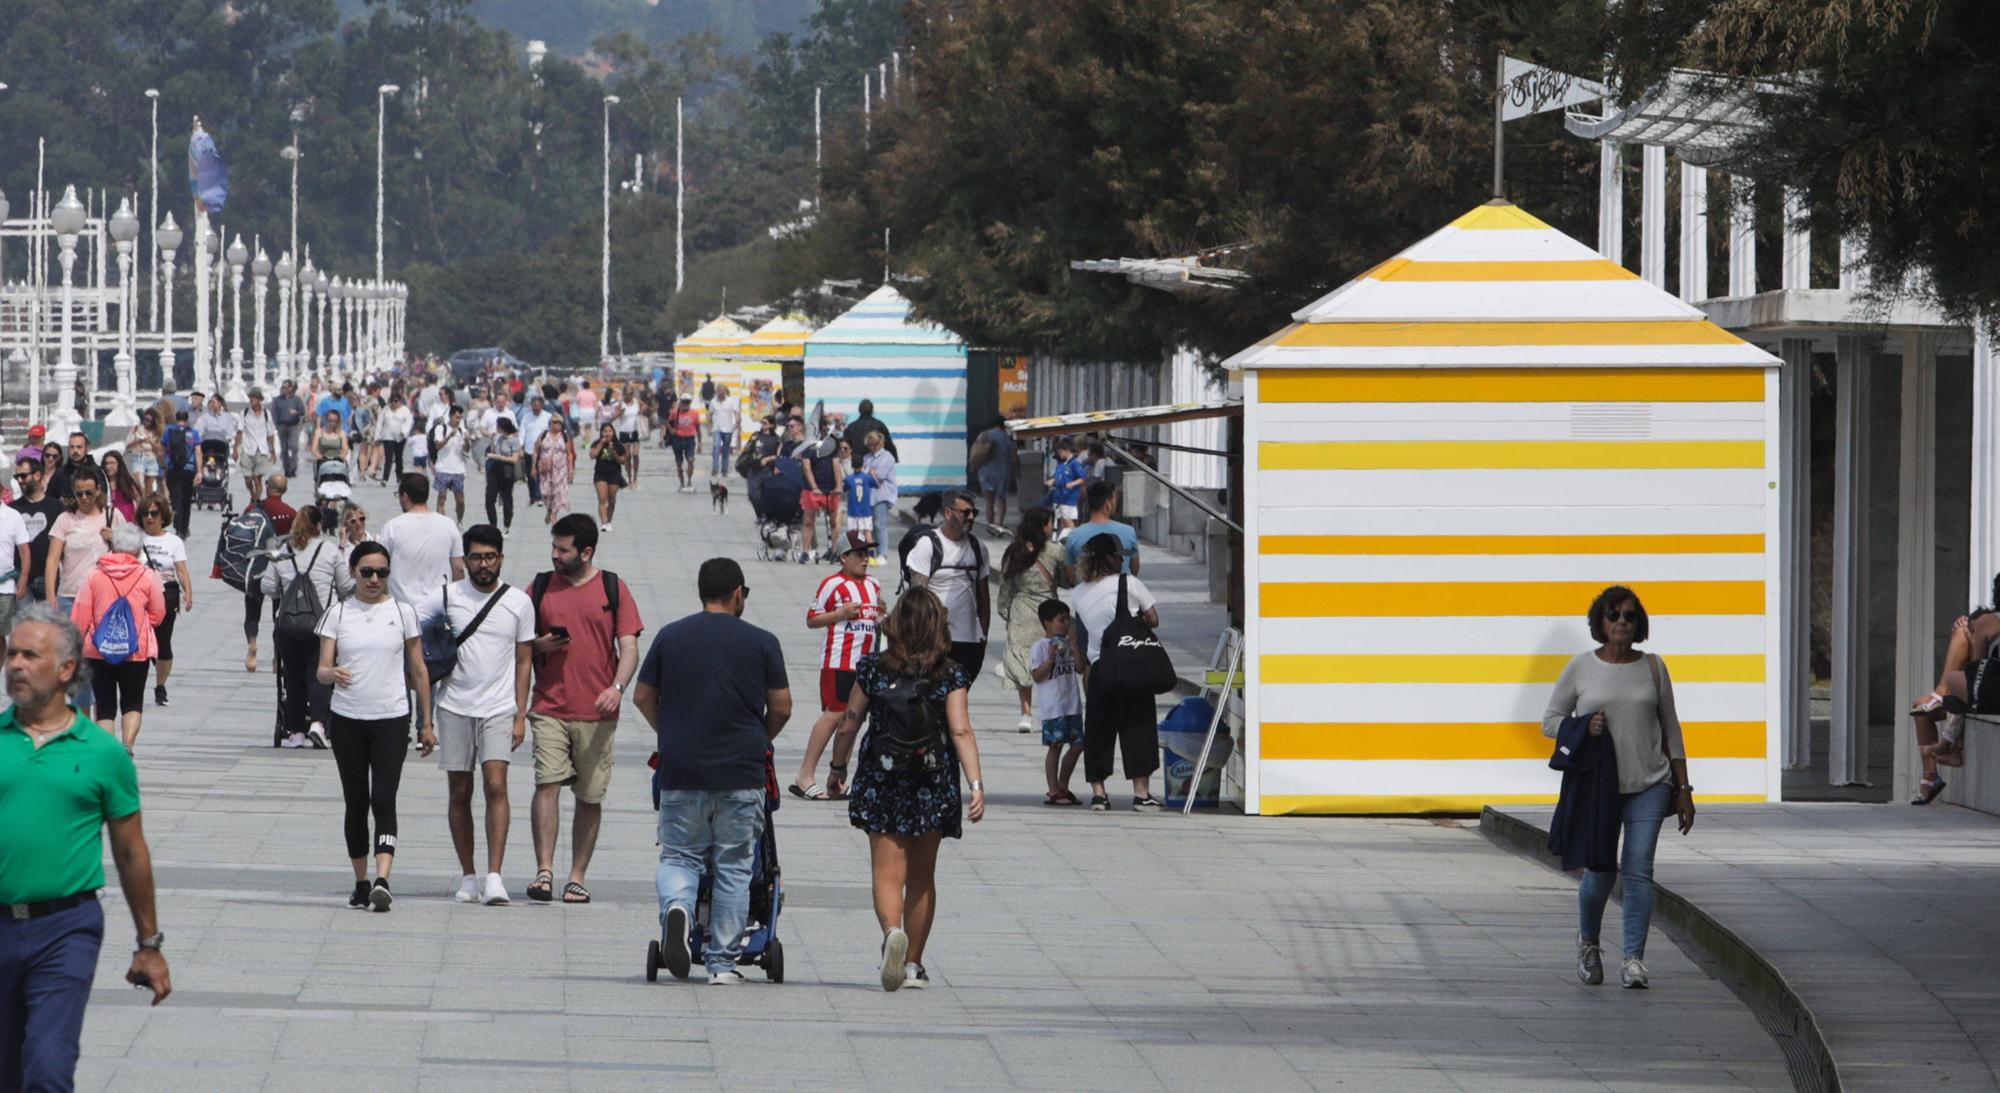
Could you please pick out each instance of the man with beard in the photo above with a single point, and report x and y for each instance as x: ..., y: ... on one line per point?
x: 586, y: 651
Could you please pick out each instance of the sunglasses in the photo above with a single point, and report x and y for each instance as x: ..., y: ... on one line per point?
x: 967, y: 513
x: 370, y: 571
x: 1629, y: 614
x: 81, y: 494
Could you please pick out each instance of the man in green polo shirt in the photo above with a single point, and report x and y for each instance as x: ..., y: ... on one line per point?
x: 63, y: 780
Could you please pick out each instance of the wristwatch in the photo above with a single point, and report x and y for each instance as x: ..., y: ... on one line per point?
x: 619, y: 687
x: 978, y: 786
x: 153, y: 942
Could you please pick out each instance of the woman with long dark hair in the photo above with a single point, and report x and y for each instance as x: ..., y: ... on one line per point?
x: 1972, y: 638
x: 1029, y: 573
x: 122, y: 488
x: 166, y: 553
x: 905, y: 793
x: 608, y: 474
x: 304, y: 555
x: 1113, y: 719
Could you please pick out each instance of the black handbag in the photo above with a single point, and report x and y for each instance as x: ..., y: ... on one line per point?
x: 1129, y: 655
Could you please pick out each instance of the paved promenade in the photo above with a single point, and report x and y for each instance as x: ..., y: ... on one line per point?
x: 1072, y: 950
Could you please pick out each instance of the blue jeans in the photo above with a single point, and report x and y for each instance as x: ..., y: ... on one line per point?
x: 697, y: 827
x: 725, y: 444
x: 45, y: 969
x: 882, y: 511
x: 1643, y: 813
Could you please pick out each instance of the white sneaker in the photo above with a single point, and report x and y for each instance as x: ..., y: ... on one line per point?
x: 728, y: 978
x: 316, y: 736
x: 1027, y: 724
x: 495, y: 891
x: 468, y: 890
x: 915, y: 978
x: 605, y: 528
x: 295, y: 740
x: 895, y: 946
x: 1632, y: 973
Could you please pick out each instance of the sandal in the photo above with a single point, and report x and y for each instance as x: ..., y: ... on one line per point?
x: 543, y: 888
x: 575, y: 893
x: 836, y: 791
x: 814, y: 792
x: 1060, y: 797
x: 1927, y: 791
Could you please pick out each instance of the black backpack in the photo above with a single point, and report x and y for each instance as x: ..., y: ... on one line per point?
x: 908, y: 733
x: 299, y: 608
x: 918, y: 534
x: 180, y: 453
x: 243, y: 550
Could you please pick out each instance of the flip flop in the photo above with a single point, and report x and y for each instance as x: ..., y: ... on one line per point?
x: 542, y: 890
x: 575, y: 893
x: 814, y: 792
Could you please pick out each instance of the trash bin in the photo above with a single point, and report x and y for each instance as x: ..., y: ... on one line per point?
x: 1181, y: 735
x: 93, y: 431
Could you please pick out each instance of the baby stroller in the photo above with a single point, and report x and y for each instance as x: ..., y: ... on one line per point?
x: 331, y: 490
x: 761, y: 947
x: 781, y: 514
x: 211, y: 487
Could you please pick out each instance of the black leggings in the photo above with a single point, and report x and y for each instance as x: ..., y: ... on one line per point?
x: 253, y: 611
x: 392, y: 460
x: 302, y: 698
x: 164, y: 632
x: 370, y: 757
x: 499, y: 487
x: 1122, y: 719
x: 118, y: 688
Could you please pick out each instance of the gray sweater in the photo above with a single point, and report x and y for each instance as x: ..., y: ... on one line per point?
x: 1633, y: 716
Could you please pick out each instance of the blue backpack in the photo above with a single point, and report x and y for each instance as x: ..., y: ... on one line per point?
x: 116, y: 635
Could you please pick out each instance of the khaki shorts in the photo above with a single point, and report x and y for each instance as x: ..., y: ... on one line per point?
x: 257, y: 466
x: 576, y: 754
x: 465, y: 742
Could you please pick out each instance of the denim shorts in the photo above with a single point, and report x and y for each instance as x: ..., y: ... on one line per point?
x: 450, y: 483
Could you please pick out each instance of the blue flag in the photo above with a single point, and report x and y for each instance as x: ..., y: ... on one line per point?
x: 207, y: 174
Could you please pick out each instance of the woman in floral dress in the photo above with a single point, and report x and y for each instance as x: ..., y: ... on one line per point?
x: 555, y: 463
x: 908, y: 812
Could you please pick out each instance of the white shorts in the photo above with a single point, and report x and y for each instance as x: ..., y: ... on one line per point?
x: 1066, y: 512
x: 465, y: 742
x: 861, y: 523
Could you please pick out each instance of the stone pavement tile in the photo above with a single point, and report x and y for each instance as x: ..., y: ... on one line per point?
x: 675, y: 1054
x: 503, y: 1039
x: 187, y: 1077
x: 1206, y: 1067
x: 934, y: 1060
x: 375, y: 1040
x: 356, y: 1071
x: 196, y: 1036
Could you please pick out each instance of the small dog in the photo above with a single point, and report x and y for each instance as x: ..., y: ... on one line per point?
x: 718, y: 497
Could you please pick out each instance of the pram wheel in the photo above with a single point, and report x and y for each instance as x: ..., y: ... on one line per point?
x: 653, y: 961
x: 774, y: 960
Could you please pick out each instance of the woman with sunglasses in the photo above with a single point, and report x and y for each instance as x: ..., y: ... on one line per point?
x: 370, y: 653
x: 608, y: 473
x: 166, y: 553
x: 302, y: 702
x: 79, y: 537
x: 353, y: 526
x: 1629, y: 697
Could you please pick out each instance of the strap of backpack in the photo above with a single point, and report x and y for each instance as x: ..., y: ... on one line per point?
x: 1121, y: 612
x: 937, y: 551
x: 536, y: 590
x: 470, y: 627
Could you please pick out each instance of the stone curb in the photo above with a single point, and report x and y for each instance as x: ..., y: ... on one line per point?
x: 1757, y: 975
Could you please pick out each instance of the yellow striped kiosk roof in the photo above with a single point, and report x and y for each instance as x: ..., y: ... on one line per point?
x: 714, y: 336
x: 1498, y: 288
x: 782, y: 339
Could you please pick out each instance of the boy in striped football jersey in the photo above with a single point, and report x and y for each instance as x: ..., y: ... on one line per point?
x: 847, y: 606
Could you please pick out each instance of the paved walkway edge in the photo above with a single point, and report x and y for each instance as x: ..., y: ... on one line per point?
x: 1757, y: 975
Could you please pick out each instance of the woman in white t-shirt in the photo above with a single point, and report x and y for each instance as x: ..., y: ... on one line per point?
x: 370, y: 653
x: 628, y: 423
x: 1114, y: 718
x: 168, y: 557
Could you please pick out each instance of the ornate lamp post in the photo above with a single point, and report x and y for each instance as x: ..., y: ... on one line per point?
x: 336, y: 299
x: 382, y: 94
x: 260, y: 274
x: 322, y: 284
x: 238, y: 254
x: 167, y: 239
x: 124, y: 232
x: 67, y: 219
x: 308, y: 362
x: 285, y: 274
x: 604, y: 313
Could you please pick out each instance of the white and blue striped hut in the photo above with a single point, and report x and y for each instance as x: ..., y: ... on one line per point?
x: 915, y: 374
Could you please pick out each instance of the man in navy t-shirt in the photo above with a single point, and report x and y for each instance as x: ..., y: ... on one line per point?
x: 714, y: 688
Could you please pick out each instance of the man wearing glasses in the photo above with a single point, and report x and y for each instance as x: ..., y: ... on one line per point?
x: 951, y: 562
x: 38, y: 513
x: 482, y: 705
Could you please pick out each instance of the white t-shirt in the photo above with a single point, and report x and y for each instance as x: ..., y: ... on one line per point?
x: 489, y: 421
x: 628, y: 416
x: 448, y: 457
x: 953, y: 581
x: 259, y: 435
x: 427, y: 401
x: 421, y: 547
x: 483, y: 683
x: 1096, y: 601
x: 368, y: 640
x: 723, y: 415
x: 393, y: 423
x: 1060, y: 695
x: 13, y: 535
x: 162, y: 553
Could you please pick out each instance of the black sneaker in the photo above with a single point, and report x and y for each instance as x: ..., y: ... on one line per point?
x: 159, y: 695
x: 379, y: 897
x: 1100, y: 803
x: 1148, y: 803
x: 360, y: 897
x: 674, y: 942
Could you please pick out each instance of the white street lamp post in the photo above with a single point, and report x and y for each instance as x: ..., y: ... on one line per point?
x: 124, y: 232
x: 325, y: 286
x: 260, y: 274
x: 67, y: 219
x: 293, y: 153
x: 166, y: 240
x: 153, y: 270
x: 238, y: 254
x: 336, y: 296
x: 604, y: 311
x: 285, y: 273
x: 308, y: 363
x: 382, y: 94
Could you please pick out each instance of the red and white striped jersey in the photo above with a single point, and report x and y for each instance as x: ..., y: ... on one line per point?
x: 847, y: 642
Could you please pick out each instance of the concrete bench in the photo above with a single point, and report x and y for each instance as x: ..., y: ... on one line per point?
x: 1976, y: 785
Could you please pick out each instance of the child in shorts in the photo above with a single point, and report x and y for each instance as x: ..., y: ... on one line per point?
x: 419, y: 450
x: 1058, y: 700
x: 1065, y: 482
x: 860, y: 489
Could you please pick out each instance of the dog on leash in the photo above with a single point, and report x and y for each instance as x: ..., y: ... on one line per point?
x: 718, y: 496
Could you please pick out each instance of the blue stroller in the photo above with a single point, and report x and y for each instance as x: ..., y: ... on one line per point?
x: 761, y: 946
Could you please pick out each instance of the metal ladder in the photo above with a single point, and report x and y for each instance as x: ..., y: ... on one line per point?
x: 1222, y: 679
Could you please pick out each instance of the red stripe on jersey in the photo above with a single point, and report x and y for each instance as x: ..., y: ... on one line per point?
x: 847, y: 642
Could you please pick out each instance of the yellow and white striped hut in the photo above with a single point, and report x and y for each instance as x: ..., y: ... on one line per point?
x: 1448, y: 458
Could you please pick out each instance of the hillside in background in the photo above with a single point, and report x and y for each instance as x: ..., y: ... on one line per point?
x: 569, y: 26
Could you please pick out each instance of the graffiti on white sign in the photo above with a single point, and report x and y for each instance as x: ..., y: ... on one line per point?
x: 1532, y: 89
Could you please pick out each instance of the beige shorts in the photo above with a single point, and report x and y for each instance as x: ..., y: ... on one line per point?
x: 257, y: 466
x: 576, y: 754
x: 465, y: 742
